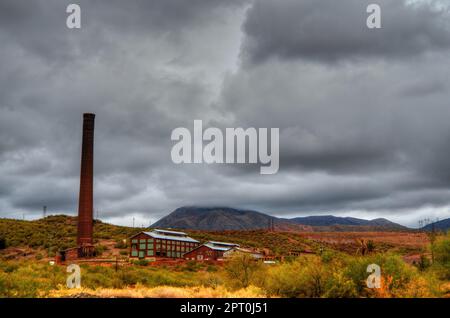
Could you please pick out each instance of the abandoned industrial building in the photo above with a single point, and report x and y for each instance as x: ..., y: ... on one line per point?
x: 209, y: 251
x: 161, y: 243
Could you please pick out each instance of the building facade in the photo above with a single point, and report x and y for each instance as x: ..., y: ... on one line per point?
x: 161, y: 243
x: 210, y: 251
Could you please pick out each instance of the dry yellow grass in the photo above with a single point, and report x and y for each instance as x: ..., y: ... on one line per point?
x: 159, y: 292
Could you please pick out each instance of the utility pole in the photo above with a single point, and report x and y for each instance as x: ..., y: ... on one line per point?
x: 133, y: 221
x: 44, y: 211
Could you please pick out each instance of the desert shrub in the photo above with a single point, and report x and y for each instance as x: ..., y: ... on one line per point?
x: 192, y: 266
x: 305, y: 277
x: 94, y: 280
x: 328, y: 256
x: 424, y: 263
x: 140, y: 262
x: 442, y: 256
x: 120, y: 244
x: 370, y: 246
x: 124, y: 253
x: 395, y: 273
x: 9, y: 267
x: 99, y: 250
x: 340, y: 286
x: 128, y: 277
x: 241, y: 269
x: 211, y: 269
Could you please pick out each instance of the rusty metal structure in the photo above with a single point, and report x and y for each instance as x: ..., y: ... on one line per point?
x: 86, y: 196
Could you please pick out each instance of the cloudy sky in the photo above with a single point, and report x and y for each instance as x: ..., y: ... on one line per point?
x: 364, y: 115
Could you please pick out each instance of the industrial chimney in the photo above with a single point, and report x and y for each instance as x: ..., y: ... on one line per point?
x: 86, y: 198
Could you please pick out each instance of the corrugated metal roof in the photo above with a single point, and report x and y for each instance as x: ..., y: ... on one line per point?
x: 217, y: 248
x: 222, y: 243
x: 170, y: 232
x: 171, y: 237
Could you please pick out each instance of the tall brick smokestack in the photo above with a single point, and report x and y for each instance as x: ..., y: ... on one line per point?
x: 86, y: 198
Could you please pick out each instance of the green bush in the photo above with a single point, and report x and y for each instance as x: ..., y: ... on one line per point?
x: 140, y: 262
x: 424, y: 263
x: 305, y: 277
x: 442, y: 256
x: 99, y: 250
x: 394, y: 272
x: 241, y: 269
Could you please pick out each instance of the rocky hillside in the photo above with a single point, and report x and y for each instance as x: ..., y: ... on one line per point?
x: 214, y: 219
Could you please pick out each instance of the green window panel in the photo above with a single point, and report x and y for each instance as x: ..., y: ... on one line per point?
x: 142, y: 246
x: 141, y: 254
x: 134, y: 253
x: 169, y: 254
x: 134, y: 241
x: 150, y: 240
x: 150, y: 246
x: 149, y: 253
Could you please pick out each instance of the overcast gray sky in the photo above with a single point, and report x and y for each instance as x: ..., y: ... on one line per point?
x: 364, y: 115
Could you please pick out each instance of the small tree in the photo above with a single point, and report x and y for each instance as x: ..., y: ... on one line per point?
x: 241, y: 268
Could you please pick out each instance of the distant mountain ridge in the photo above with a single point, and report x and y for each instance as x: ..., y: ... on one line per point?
x: 330, y: 220
x: 226, y: 218
x: 443, y: 225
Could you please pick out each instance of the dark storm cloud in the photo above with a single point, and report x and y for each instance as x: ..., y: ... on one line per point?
x: 38, y: 26
x: 120, y: 66
x: 330, y: 30
x: 367, y: 137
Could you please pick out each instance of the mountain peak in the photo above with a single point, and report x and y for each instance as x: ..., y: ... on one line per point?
x: 220, y: 218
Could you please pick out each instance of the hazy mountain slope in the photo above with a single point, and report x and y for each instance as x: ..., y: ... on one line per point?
x: 214, y: 218
x: 443, y: 225
x: 224, y: 218
x: 330, y: 220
